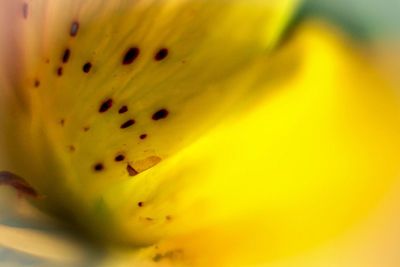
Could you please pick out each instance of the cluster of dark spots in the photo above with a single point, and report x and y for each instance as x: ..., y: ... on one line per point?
x: 106, y: 105
x: 131, y: 170
x: 37, y: 83
x: 140, y: 204
x: 66, y: 55
x: 160, y: 114
x: 130, y: 55
x: 143, y: 136
x: 161, y: 54
x: 25, y: 10
x: 127, y: 124
x: 85, y: 129
x: 119, y: 158
x: 87, y: 67
x: 123, y: 109
x: 74, y: 28
x: 59, y: 71
x: 62, y: 122
x: 98, y: 167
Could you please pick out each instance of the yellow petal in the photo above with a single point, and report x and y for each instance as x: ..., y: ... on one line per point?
x: 308, y: 164
x: 72, y: 66
x: 282, y: 173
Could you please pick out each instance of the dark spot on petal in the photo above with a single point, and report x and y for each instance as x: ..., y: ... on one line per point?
x: 127, y: 124
x: 131, y: 170
x: 140, y: 204
x: 74, y: 28
x: 47, y: 61
x: 72, y: 148
x: 168, y: 217
x: 62, y: 122
x: 143, y: 136
x: 170, y: 255
x: 106, y: 105
x: 161, y: 114
x: 157, y: 257
x: 66, y: 56
x: 85, y: 129
x: 119, y: 158
x: 59, y: 71
x: 37, y: 83
x: 149, y: 219
x: 161, y: 54
x: 123, y: 109
x: 98, y: 167
x: 130, y: 55
x: 86, y: 68
x: 25, y: 10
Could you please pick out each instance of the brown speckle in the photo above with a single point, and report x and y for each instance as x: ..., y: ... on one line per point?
x: 25, y: 10
x: 87, y: 67
x: 143, y: 136
x: 160, y: 114
x: 168, y: 217
x: 37, y: 83
x: 127, y: 124
x: 72, y: 148
x: 98, y: 167
x: 140, y: 204
x: 123, y: 109
x: 161, y: 54
x: 62, y: 122
x: 130, y: 55
x: 74, y: 28
x: 176, y: 254
x: 149, y: 219
x: 66, y: 55
x: 131, y: 170
x: 119, y: 158
x: 106, y: 105
x: 85, y: 129
x: 157, y: 257
x: 59, y: 71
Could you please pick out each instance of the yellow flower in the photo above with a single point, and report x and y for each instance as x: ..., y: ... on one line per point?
x: 189, y: 133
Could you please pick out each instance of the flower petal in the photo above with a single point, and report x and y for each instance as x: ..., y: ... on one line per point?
x: 307, y: 164
x: 98, y: 92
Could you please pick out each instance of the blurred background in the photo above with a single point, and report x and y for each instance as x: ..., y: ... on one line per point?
x: 364, y: 19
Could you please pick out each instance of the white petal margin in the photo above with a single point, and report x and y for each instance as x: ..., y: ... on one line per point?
x: 27, y: 235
